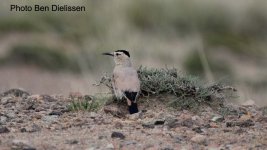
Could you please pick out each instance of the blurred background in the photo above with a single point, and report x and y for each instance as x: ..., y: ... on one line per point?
x: 60, y: 52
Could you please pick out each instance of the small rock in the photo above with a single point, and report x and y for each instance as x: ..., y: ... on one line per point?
x: 39, y: 108
x: 4, y: 130
x: 213, y: 125
x: 113, y: 111
x: 187, y: 123
x: 118, y: 125
x: 93, y: 115
x: 129, y: 142
x: 3, y: 120
x: 21, y: 145
x: 37, y: 116
x: 217, y: 118
x: 11, y: 115
x: 197, y: 130
x: 239, y: 131
x: 178, y: 139
x: 30, y: 128
x: 262, y: 119
x: 50, y: 119
x: 246, y: 123
x: 149, y: 124
x: 199, y: 138
x: 102, y: 137
x: 159, y: 122
x: 56, y: 113
x: 23, y: 130
x: 72, y: 142
x: 6, y: 100
x: 198, y: 120
x: 117, y: 135
x: 134, y: 116
x: 110, y: 146
x: 153, y: 123
x: 34, y: 128
x: 171, y: 122
x: 29, y: 105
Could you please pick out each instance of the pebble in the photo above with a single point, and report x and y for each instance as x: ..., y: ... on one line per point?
x: 33, y: 128
x: 129, y: 142
x: 5, y: 100
x: 148, y: 124
x: 110, y: 146
x: 3, y: 120
x: 93, y: 115
x: 56, y: 113
x: 118, y: 125
x: 217, y: 118
x: 197, y: 129
x: 117, y: 135
x: 21, y: 145
x: 135, y: 116
x: 246, y: 123
x: 113, y: 111
x: 171, y: 122
x: 159, y: 122
x: 187, y: 123
x: 50, y: 119
x: 11, y: 115
x: 72, y: 142
x: 4, y: 130
x: 199, y: 138
x: 38, y: 116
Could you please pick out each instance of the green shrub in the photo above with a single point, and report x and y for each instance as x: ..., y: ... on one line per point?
x: 188, y: 92
x: 19, y: 24
x: 41, y: 56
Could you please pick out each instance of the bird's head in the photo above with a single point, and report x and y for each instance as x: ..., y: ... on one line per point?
x: 121, y: 57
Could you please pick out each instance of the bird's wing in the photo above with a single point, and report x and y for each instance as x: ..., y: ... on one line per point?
x: 126, y: 80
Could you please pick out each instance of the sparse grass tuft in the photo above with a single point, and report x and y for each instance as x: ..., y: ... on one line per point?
x: 188, y: 91
x: 87, y: 103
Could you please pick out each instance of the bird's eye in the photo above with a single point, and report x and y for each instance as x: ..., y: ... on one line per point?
x: 117, y: 54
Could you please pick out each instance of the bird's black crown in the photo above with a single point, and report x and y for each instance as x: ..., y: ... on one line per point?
x: 124, y: 51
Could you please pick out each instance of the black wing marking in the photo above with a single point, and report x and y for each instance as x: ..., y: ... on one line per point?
x: 131, y: 95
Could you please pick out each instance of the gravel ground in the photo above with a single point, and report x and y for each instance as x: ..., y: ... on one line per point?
x: 29, y: 122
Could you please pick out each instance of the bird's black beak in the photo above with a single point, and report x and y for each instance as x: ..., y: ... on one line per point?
x: 110, y: 54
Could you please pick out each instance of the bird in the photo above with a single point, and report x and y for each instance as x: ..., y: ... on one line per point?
x: 125, y: 81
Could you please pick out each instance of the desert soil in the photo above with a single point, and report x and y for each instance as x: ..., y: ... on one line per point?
x: 29, y: 122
